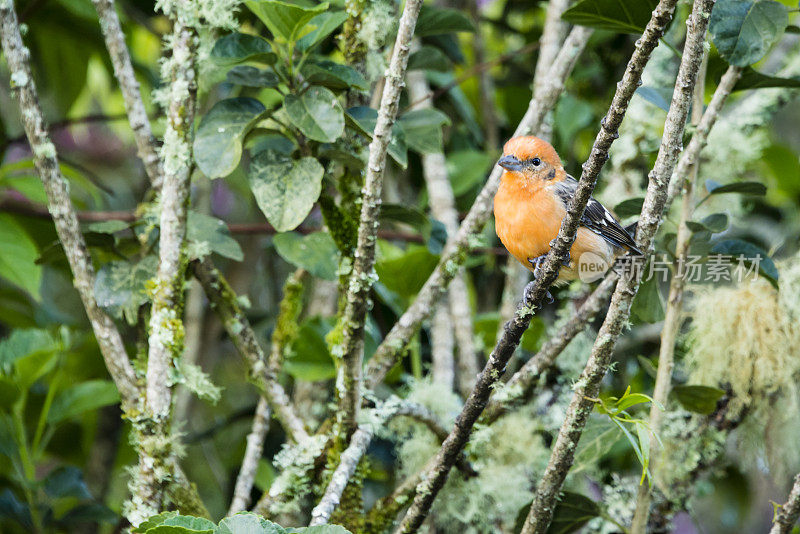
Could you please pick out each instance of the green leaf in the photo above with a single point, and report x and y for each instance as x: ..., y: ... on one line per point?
x: 197, y: 381
x: 714, y: 223
x: 309, y: 358
x: 316, y: 253
x: 238, y: 48
x: 466, y: 169
x: 317, y: 113
x: 572, y: 511
x: 325, y: 24
x: 18, y: 253
x: 438, y: 20
x: 285, y: 189
x: 423, y: 129
x: 109, y: 227
x: 629, y: 208
x: 750, y: 252
x: 429, y: 58
x: 571, y: 116
x: 405, y: 275
x: 752, y: 79
x: 248, y: 76
x: 658, y: 96
x: 698, y: 399
x: 182, y: 524
x: 648, y: 305
x: 248, y: 523
x: 153, y: 521
x: 218, y: 141
x: 743, y: 188
x: 23, y: 342
x: 622, y: 16
x: 81, y: 398
x: 319, y: 529
x: 365, y: 119
x: 209, y: 234
x: 632, y: 399
x: 643, y: 433
x: 120, y: 286
x: 66, y: 481
x: 743, y: 30
x: 333, y: 75
x: 284, y: 20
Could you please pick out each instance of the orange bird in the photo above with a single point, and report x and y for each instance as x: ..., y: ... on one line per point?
x: 532, y: 201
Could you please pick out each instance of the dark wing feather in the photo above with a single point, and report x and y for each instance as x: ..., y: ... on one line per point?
x: 596, y: 217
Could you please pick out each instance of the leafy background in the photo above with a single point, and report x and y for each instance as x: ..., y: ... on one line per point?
x: 279, y: 146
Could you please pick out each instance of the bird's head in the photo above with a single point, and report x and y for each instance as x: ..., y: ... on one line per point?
x: 532, y: 160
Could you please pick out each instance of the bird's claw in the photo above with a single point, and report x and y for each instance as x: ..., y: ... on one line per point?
x: 565, y: 261
x: 529, y: 290
x: 537, y: 264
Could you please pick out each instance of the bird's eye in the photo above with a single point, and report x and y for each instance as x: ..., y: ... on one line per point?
x: 536, y: 162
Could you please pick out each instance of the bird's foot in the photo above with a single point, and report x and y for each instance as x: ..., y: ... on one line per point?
x: 537, y: 263
x: 529, y: 290
x: 566, y: 259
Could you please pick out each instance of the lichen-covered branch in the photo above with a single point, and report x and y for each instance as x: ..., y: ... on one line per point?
x: 351, y: 348
x: 588, y: 385
x: 390, y: 350
x: 788, y: 513
x: 226, y: 305
x: 521, y: 384
x: 252, y: 454
x: 131, y: 96
x: 61, y: 208
x: 443, y: 208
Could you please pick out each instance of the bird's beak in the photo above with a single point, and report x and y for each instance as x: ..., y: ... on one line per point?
x: 510, y: 163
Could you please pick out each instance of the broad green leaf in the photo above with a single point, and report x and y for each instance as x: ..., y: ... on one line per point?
x: 597, y: 440
x: 632, y: 399
x: 120, y: 286
x: 18, y: 252
x: 316, y: 253
x: 698, y: 399
x: 572, y: 115
x: 429, y: 58
x: 648, y: 305
x: 181, y: 524
x: 743, y: 30
x: 153, y: 521
x: 407, y: 274
x: 218, y: 141
x: 752, y: 79
x: 30, y: 368
x: 319, y: 529
x: 248, y: 76
x: 423, y: 129
x: 209, y: 234
x: 658, y: 96
x: 572, y: 511
x: 623, y: 16
x: 629, y: 208
x: 309, y: 358
x: 317, y: 113
x: 109, y: 227
x: 248, y: 523
x: 238, y: 48
x: 744, y: 188
x: 285, y: 189
x: 284, y: 20
x: 751, y: 253
x: 23, y: 342
x: 714, y: 223
x: 466, y: 169
x: 333, y: 75
x: 325, y: 24
x: 81, y: 398
x: 365, y: 119
x: 66, y: 482
x: 438, y: 20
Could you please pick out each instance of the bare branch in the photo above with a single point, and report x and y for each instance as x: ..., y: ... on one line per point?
x: 588, y: 385
x: 362, y: 277
x: 61, y: 208
x: 225, y: 304
x: 134, y: 105
x: 788, y: 513
x: 252, y: 454
x: 455, y: 251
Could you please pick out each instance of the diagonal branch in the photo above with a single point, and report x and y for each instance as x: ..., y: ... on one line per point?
x: 61, y: 208
x: 362, y: 277
x: 788, y: 513
x: 131, y: 96
x: 588, y: 385
x: 393, y: 345
x: 252, y: 454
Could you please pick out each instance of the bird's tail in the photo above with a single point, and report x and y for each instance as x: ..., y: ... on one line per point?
x: 631, y: 229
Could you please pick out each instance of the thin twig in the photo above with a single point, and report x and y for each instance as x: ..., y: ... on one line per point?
x: 788, y: 513
x: 131, y: 96
x: 458, y: 245
x: 252, y: 454
x: 588, y: 385
x: 61, y: 208
x: 362, y: 277
x: 236, y: 324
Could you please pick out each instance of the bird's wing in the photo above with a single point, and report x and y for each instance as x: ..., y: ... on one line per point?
x: 596, y: 217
